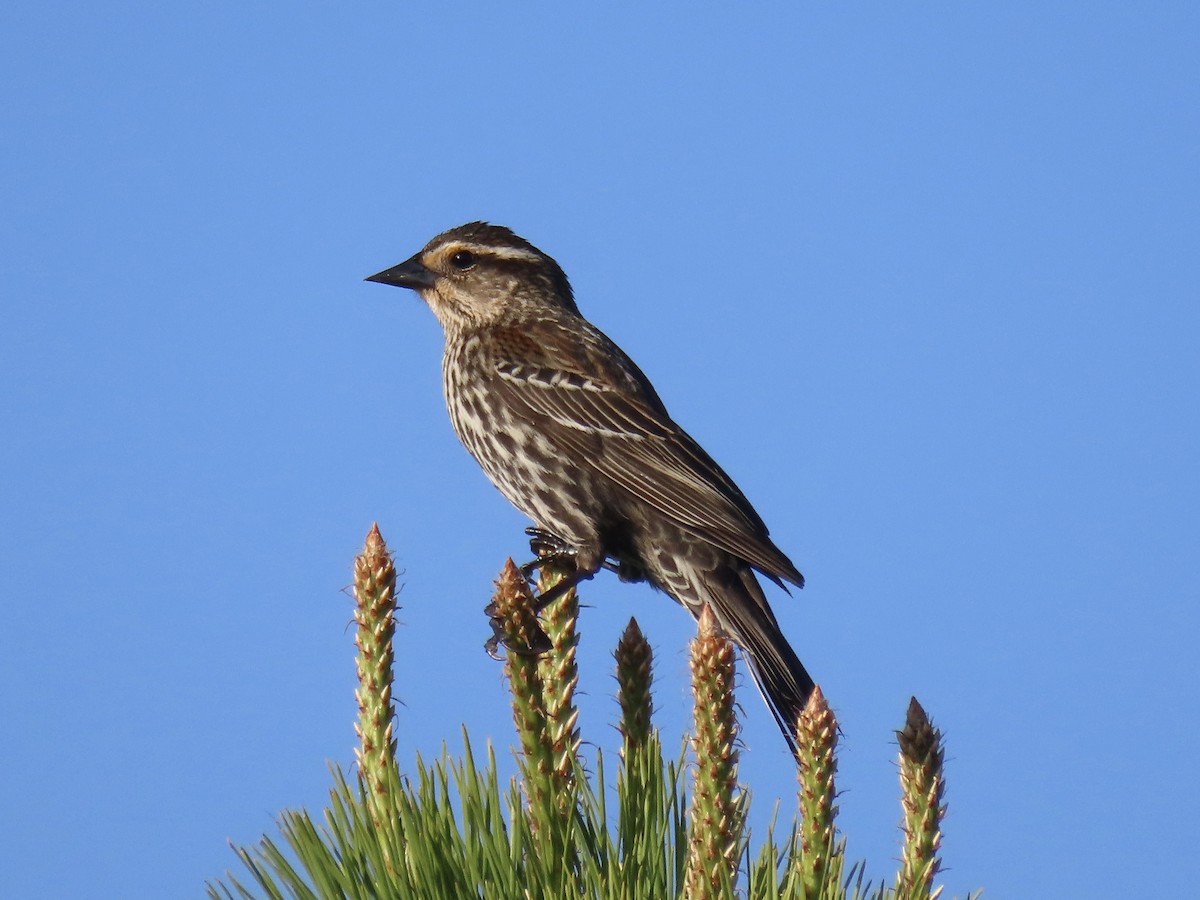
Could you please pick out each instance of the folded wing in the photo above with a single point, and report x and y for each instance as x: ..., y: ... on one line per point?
x: 611, y: 420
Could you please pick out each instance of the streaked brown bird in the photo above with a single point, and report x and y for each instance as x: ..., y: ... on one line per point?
x: 574, y: 435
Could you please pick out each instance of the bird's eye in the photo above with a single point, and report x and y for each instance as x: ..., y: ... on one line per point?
x: 463, y: 260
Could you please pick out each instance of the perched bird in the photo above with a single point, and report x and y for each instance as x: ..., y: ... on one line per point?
x: 574, y: 435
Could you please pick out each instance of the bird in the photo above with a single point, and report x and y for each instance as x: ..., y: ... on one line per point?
x: 574, y: 435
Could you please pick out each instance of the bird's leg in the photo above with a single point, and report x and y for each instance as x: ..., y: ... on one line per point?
x: 548, y: 596
x: 551, y: 549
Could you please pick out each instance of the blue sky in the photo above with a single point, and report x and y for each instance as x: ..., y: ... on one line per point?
x: 923, y: 278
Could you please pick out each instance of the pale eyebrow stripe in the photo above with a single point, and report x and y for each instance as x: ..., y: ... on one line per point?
x: 500, y: 252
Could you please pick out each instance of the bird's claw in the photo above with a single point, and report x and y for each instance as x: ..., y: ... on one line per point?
x: 548, y: 547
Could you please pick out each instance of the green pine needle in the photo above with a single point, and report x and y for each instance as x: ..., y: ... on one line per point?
x: 450, y: 828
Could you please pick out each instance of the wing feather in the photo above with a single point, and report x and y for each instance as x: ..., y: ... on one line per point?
x: 641, y: 449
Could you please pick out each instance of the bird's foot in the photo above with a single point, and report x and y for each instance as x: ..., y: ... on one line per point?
x: 548, y: 547
x: 551, y: 550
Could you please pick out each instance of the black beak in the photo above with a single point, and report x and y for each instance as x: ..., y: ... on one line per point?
x: 409, y: 274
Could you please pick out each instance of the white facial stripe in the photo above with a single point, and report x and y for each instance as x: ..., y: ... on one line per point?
x: 495, y: 251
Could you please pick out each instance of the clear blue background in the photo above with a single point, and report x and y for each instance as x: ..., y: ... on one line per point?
x: 923, y: 277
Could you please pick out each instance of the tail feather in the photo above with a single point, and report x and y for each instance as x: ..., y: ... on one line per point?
x: 742, y: 611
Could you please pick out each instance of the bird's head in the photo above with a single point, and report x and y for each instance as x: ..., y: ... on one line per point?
x: 479, y: 274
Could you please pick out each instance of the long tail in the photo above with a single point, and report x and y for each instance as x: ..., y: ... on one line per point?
x: 738, y: 602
